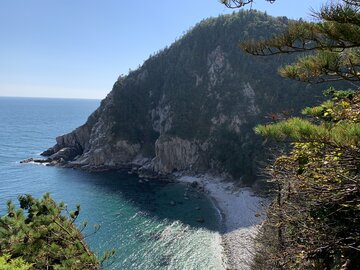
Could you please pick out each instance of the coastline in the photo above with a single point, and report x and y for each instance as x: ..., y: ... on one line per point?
x: 240, y: 209
x: 242, y: 215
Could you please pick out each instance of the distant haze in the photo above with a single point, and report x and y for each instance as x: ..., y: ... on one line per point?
x: 77, y: 49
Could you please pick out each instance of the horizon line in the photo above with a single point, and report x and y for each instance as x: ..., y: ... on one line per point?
x: 1, y: 96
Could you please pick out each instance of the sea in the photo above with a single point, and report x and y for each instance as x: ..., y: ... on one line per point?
x: 150, y: 224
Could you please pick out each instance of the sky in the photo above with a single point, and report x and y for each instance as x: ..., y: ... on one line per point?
x: 78, y: 48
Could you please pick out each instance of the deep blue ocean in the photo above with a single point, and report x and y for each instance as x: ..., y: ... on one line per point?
x: 136, y: 217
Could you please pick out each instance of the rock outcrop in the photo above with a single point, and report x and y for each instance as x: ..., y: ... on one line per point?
x: 191, y: 107
x: 175, y: 154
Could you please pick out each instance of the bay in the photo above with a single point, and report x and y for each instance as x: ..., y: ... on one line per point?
x: 135, y: 217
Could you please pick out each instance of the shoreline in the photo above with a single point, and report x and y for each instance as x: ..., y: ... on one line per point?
x: 241, y: 213
x: 241, y: 216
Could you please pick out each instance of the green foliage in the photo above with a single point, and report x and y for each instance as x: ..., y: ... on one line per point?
x: 336, y: 94
x: 317, y: 208
x: 294, y: 128
x: 335, y: 40
x: 323, y: 111
x: 343, y: 133
x: 324, y: 66
x: 6, y: 263
x: 313, y: 223
x: 41, y: 234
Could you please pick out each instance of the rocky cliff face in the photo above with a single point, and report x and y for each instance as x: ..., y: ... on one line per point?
x: 191, y: 107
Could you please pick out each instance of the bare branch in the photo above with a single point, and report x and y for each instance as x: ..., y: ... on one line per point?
x: 240, y: 3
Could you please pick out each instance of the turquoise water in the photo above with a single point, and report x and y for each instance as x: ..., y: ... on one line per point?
x: 136, y: 218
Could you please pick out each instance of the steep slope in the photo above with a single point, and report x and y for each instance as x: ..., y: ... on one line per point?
x: 190, y: 107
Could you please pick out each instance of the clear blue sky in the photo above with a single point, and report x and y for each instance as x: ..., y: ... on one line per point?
x: 78, y: 48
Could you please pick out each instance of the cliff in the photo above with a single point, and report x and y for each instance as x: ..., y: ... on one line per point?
x: 190, y: 107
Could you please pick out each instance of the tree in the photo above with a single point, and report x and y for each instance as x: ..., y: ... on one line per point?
x: 335, y: 39
x: 313, y: 223
x: 43, y: 233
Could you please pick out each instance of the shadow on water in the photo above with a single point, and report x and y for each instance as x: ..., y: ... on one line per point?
x: 153, y: 198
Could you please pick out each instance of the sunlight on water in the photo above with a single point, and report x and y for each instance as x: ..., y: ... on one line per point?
x: 136, y: 219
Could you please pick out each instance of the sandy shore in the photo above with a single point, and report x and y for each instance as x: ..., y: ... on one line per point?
x: 242, y: 214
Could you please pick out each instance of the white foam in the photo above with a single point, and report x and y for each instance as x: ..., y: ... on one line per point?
x: 242, y: 213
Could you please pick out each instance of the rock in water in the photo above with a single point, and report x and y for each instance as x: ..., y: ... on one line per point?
x: 194, y: 184
x: 172, y: 203
x: 200, y: 220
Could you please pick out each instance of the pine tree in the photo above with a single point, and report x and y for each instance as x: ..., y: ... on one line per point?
x: 314, y: 221
x: 334, y: 39
x: 43, y: 233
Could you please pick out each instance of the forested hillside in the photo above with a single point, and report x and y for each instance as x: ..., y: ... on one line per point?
x: 191, y: 107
